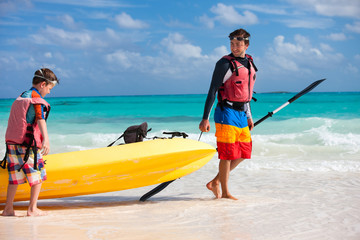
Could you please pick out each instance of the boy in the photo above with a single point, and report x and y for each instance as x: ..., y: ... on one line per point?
x: 25, y: 135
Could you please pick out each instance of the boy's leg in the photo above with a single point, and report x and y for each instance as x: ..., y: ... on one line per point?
x: 33, y: 210
x: 10, y: 196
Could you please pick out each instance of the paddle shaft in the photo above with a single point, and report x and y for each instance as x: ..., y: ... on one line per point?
x: 303, y: 92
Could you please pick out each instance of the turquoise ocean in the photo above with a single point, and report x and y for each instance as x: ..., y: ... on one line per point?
x: 302, y: 181
x: 318, y: 131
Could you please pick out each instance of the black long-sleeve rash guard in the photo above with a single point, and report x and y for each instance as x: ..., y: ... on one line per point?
x: 221, y: 73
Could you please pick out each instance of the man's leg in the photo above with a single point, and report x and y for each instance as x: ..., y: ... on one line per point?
x: 214, y: 185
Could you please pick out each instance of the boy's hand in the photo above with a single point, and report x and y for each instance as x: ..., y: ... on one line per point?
x: 45, y: 149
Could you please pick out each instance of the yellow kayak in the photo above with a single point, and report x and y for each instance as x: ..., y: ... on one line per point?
x: 116, y: 168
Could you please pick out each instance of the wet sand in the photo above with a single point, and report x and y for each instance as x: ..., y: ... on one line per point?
x: 272, y: 205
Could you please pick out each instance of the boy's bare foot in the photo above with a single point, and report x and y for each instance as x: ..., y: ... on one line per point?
x: 215, y: 188
x: 36, y: 212
x: 8, y: 213
x: 229, y: 196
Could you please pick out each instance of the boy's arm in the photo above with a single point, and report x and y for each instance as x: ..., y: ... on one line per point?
x: 45, y: 144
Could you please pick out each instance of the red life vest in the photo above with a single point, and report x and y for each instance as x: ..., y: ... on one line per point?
x: 239, y: 86
x: 18, y: 129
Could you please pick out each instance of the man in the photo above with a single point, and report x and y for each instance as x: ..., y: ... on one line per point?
x: 233, y: 79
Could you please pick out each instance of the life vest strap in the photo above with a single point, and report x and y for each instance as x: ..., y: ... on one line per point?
x: 26, y: 157
x: 3, y: 162
x: 238, y: 106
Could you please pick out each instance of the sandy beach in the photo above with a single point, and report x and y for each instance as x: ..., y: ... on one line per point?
x: 123, y: 63
x: 272, y: 205
x: 302, y: 183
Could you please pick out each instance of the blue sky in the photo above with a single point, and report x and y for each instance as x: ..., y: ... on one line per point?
x: 108, y: 47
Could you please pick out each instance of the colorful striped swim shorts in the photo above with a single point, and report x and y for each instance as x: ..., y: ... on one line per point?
x: 15, y: 158
x: 232, y: 134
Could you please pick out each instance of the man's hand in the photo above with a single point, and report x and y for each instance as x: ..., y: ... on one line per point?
x: 204, y: 125
x: 250, y: 124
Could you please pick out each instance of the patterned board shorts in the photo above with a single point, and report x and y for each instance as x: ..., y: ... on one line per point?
x: 232, y: 134
x: 15, y: 158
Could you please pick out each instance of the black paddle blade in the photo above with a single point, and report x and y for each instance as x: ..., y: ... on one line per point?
x: 155, y: 191
x: 306, y: 90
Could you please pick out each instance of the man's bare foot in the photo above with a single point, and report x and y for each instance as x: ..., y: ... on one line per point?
x: 9, y: 213
x: 36, y: 212
x: 215, y: 188
x: 229, y: 196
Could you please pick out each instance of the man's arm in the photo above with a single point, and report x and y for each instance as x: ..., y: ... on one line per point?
x: 249, y: 116
x: 221, y: 68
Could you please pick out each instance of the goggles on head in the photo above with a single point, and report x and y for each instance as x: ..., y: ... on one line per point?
x: 54, y: 82
x: 238, y: 38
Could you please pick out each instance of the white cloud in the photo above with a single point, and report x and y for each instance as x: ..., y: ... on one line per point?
x: 316, y: 51
x: 207, y: 21
x: 268, y: 9
x: 220, y: 51
x: 7, y: 6
x: 124, y: 20
x: 88, y: 3
x: 57, y: 36
x: 68, y: 21
x: 125, y: 58
x: 331, y: 8
x: 284, y: 48
x: 351, y: 68
x: 18, y: 63
x: 336, y: 37
x: 344, y: 8
x: 177, y: 45
x: 178, y: 58
x: 353, y: 28
x: 111, y: 33
x: 308, y: 23
x: 175, y: 23
x: 283, y: 52
x: 299, y: 56
x: 286, y: 63
x: 48, y: 55
x: 326, y: 47
x: 228, y: 15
